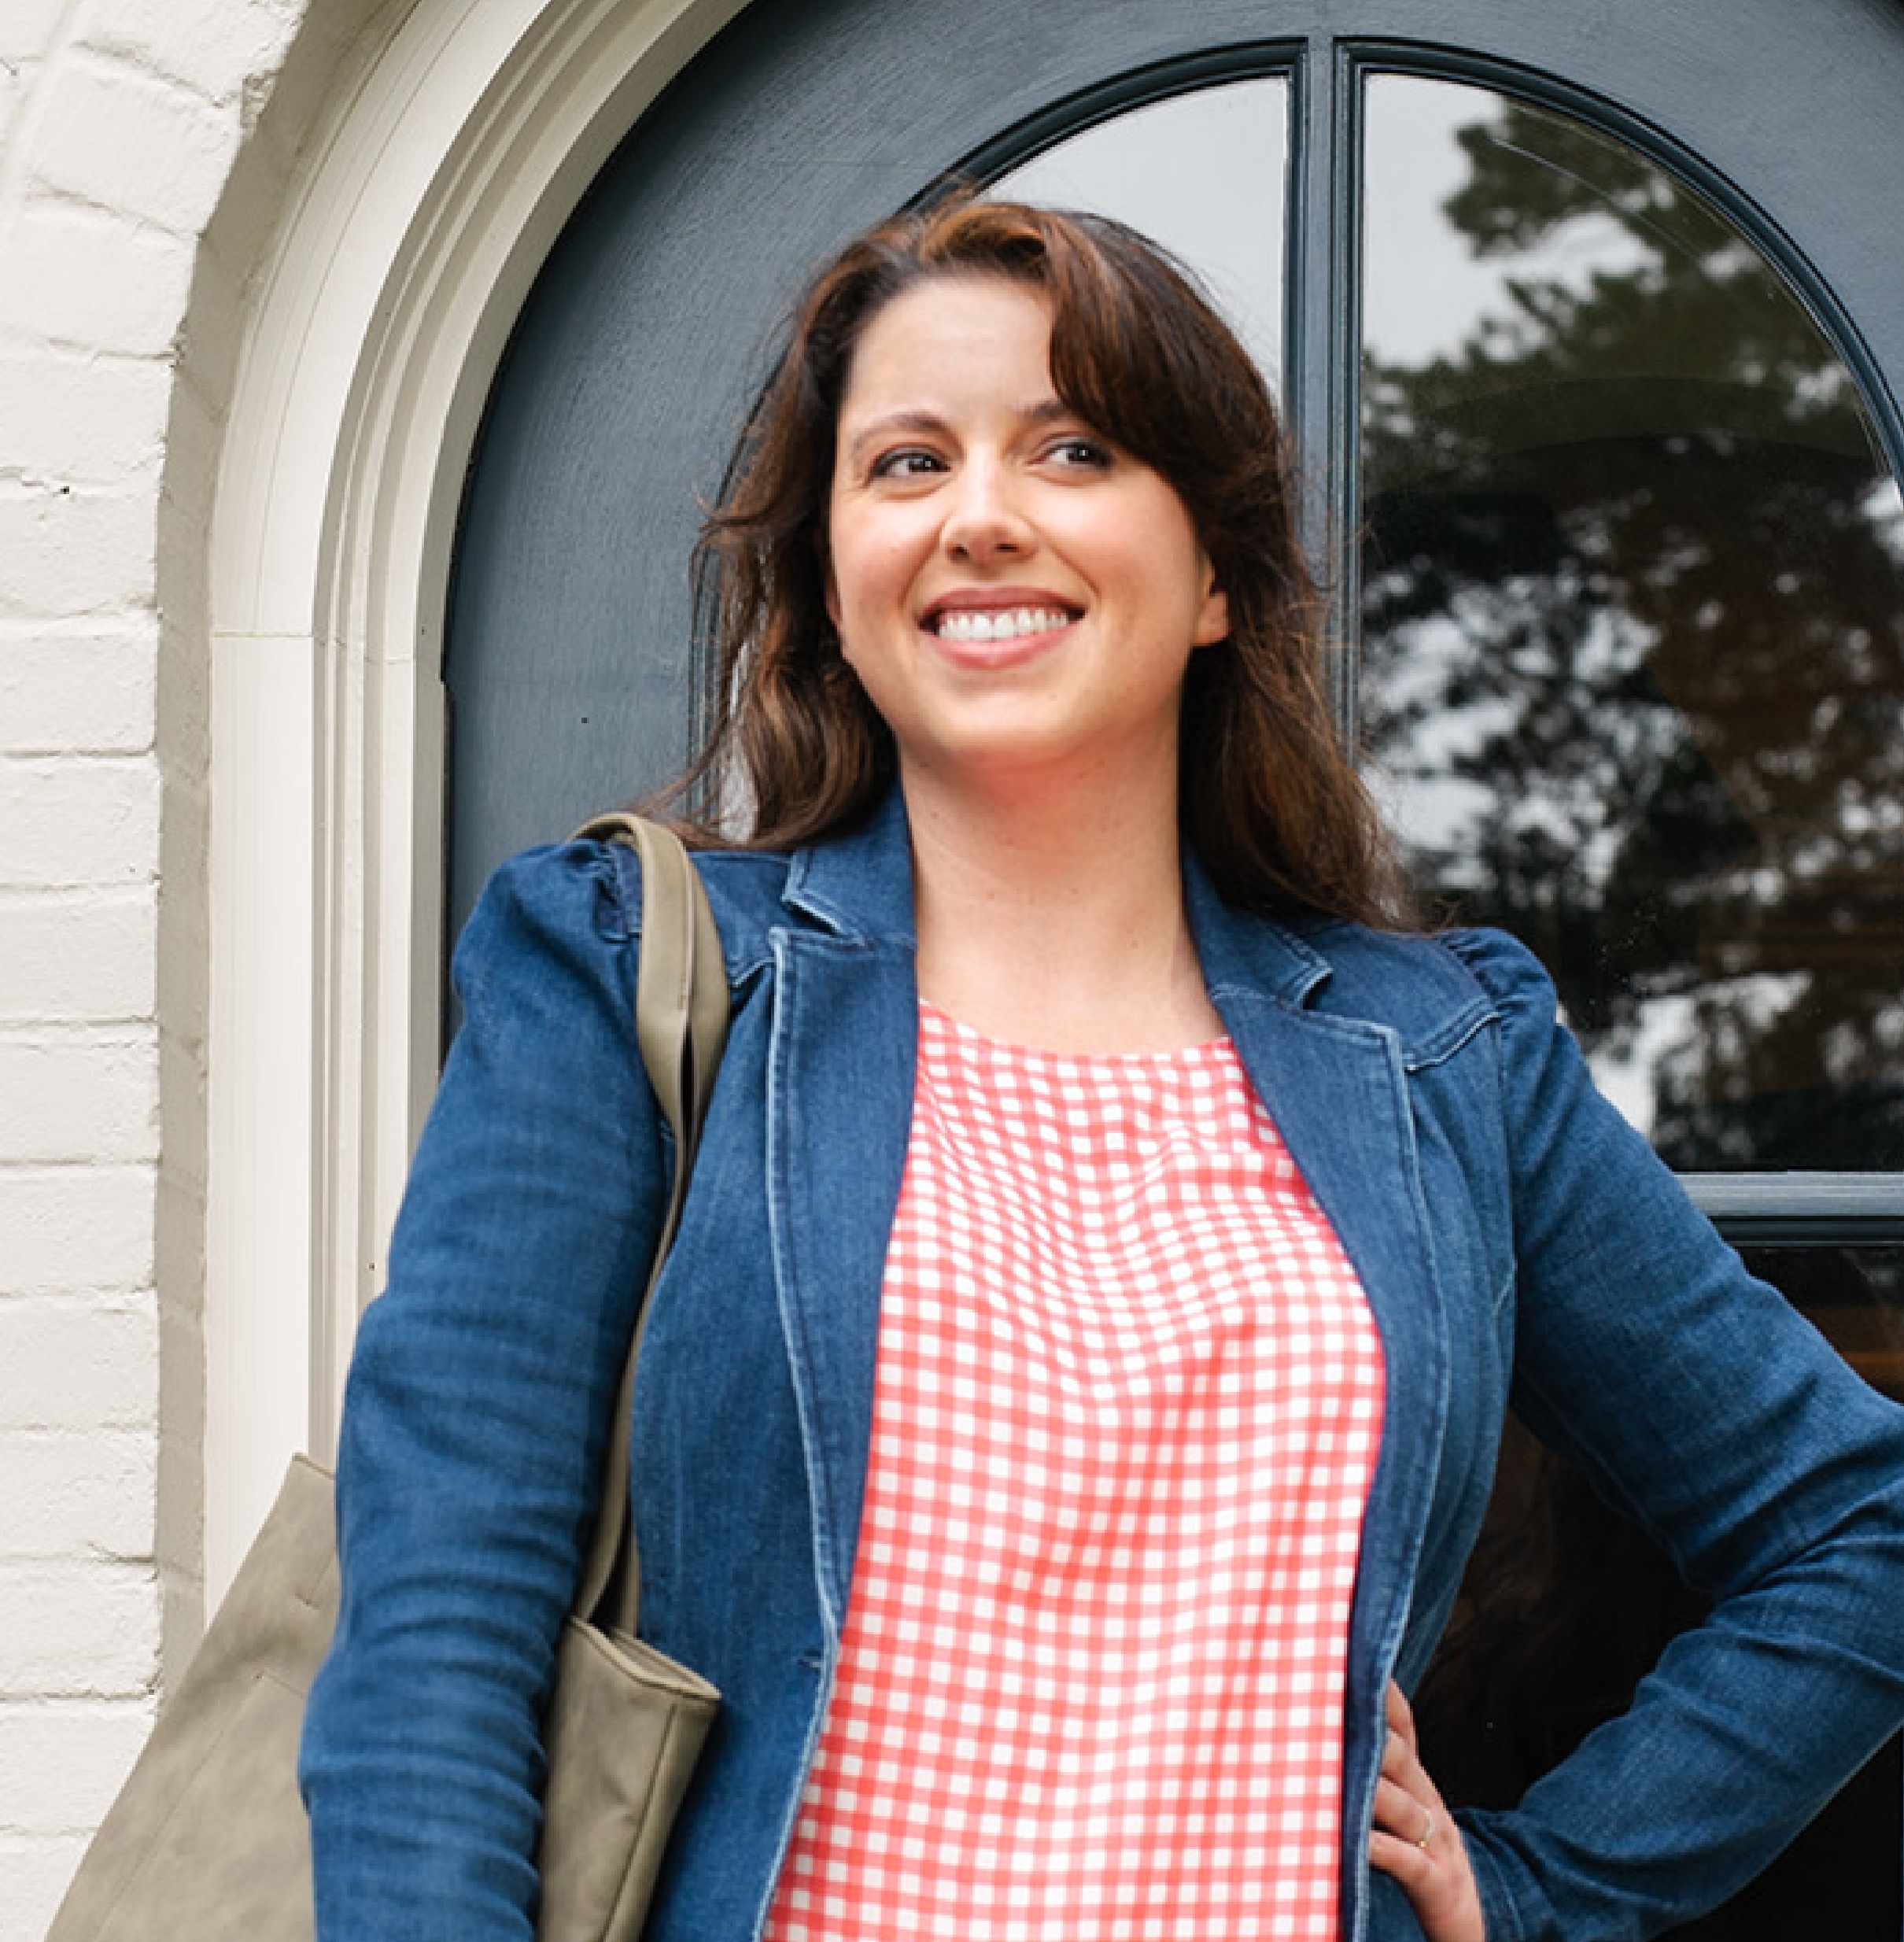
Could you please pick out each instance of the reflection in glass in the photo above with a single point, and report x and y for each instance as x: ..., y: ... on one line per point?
x: 1633, y: 613
x: 1853, y: 1295
x: 1565, y: 1606
x: 1204, y: 174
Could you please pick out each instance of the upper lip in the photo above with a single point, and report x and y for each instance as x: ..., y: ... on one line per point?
x: 993, y: 600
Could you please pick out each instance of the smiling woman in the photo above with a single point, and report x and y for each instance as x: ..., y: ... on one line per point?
x: 1021, y: 600
x: 1071, y: 1396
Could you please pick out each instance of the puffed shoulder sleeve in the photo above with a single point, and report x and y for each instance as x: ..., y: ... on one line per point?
x: 1702, y: 1404
x: 477, y: 1414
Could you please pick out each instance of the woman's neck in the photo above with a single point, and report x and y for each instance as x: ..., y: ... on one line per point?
x: 1057, y: 923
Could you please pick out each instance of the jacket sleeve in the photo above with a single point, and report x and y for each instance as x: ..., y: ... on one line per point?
x: 476, y: 1416
x: 1703, y: 1405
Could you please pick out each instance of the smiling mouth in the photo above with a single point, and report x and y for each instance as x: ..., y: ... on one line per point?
x: 1007, y: 623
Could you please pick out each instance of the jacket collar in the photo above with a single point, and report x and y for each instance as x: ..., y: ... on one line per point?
x: 859, y: 886
x: 1242, y: 953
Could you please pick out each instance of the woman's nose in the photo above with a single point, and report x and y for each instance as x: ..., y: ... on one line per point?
x: 984, y: 517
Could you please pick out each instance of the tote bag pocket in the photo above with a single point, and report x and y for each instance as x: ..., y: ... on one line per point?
x: 624, y: 1728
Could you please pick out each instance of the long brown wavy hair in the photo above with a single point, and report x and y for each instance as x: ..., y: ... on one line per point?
x: 1268, y: 798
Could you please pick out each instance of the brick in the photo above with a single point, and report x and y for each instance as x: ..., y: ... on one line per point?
x: 76, y: 1230
x: 79, y: 821
x: 83, y: 1493
x: 36, y: 1869
x: 215, y: 46
x: 79, y: 693
x: 169, y: 153
x: 73, y: 550
x: 93, y: 279
x: 79, y: 1095
x: 85, y: 420
x: 77, y: 1628
x: 80, y: 956
x: 61, y: 1764
x: 28, y: 27
x: 79, y: 1365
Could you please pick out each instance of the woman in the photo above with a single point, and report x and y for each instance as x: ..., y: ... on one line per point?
x: 1075, y: 1388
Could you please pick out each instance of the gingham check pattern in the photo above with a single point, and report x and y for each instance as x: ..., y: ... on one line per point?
x: 1127, y: 1401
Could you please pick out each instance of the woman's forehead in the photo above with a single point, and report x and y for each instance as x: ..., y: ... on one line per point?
x: 952, y: 338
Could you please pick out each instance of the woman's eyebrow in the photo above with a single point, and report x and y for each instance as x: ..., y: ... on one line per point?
x: 1047, y: 411
x: 889, y: 424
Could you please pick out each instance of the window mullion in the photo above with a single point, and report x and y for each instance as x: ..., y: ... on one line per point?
x: 1323, y: 334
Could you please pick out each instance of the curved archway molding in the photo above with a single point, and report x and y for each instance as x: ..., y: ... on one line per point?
x: 430, y: 197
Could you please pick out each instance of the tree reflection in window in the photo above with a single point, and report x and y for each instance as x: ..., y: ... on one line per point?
x: 1633, y: 613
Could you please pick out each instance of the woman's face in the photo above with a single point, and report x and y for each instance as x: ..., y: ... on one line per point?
x: 1019, y: 598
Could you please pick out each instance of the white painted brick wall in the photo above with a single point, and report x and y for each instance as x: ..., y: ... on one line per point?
x: 84, y: 1231
x: 43, y: 1339
x: 79, y: 688
x: 80, y: 954
x: 170, y: 157
x: 120, y: 121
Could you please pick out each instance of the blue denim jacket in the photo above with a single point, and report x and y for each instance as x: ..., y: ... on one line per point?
x: 1514, y: 1237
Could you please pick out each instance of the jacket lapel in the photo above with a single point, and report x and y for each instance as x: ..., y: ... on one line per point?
x: 841, y: 1079
x: 1338, y: 1090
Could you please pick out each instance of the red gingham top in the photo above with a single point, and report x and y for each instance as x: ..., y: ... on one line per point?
x: 1125, y: 1416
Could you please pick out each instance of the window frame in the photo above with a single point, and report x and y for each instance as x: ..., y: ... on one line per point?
x: 1326, y: 79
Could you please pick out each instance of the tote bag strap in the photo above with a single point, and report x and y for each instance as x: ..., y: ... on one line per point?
x: 681, y: 1025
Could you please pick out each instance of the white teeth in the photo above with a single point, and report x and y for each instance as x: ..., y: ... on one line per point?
x: 998, y: 623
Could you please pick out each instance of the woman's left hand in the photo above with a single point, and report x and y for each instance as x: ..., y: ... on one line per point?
x: 1416, y: 1841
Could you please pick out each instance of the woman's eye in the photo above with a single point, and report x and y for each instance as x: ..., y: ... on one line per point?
x: 911, y: 462
x: 1089, y: 454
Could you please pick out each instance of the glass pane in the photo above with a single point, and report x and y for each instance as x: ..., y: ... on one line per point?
x: 1633, y: 610
x: 1205, y: 175
x: 1564, y: 1606
x: 1853, y: 1295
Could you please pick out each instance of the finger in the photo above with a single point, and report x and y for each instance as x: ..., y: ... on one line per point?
x: 1405, y: 1813
x: 1413, y: 1867
x: 1412, y: 1841
x: 1400, y: 1715
x: 1401, y: 1762
x: 1436, y: 1878
x: 1416, y: 1868
x: 1415, y: 1839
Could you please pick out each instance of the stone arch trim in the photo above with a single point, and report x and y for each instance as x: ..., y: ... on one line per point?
x: 428, y: 185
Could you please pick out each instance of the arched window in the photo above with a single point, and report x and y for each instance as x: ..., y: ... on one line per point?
x: 1622, y: 629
